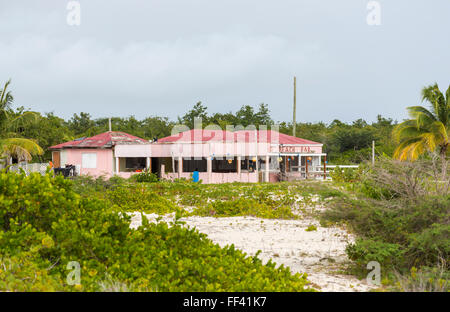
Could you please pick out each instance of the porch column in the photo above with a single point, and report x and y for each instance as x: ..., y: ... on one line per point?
x: 306, y: 167
x: 266, y: 172
x: 149, y: 164
x: 209, y: 168
x: 117, y: 165
x: 180, y: 166
x: 238, y: 165
x: 325, y: 167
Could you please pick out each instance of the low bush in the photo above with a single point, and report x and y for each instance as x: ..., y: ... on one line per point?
x: 344, y: 174
x: 425, y: 279
x: 365, y: 250
x: 139, y: 198
x: 44, y: 225
x: 401, y: 214
x: 145, y: 176
x: 245, y: 207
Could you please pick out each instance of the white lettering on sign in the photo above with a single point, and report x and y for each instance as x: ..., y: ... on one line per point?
x: 296, y: 149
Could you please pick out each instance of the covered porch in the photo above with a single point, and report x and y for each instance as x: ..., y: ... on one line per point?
x: 302, y: 166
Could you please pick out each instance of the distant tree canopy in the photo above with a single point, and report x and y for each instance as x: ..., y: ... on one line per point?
x: 13, y: 144
x: 245, y: 116
x: 343, y: 142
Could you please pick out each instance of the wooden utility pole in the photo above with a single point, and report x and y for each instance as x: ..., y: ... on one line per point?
x: 373, y: 153
x: 294, y: 122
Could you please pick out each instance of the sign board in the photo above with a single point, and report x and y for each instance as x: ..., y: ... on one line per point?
x: 296, y: 149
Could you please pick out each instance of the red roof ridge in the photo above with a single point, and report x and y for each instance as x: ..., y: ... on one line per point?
x: 102, y: 140
x: 271, y: 136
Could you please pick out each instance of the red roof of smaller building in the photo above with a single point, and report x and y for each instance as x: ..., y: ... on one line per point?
x: 103, y: 140
x: 242, y: 136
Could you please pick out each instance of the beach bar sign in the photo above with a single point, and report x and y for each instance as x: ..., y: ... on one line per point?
x: 296, y: 149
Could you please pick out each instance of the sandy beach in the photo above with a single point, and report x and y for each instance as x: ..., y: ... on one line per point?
x: 319, y: 253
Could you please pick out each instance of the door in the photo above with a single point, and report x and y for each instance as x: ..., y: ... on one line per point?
x: 56, y: 159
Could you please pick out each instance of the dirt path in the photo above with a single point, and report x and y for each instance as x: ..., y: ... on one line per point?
x: 318, y: 253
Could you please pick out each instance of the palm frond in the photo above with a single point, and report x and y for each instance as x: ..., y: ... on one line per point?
x: 429, y: 140
x: 22, y: 120
x: 447, y: 95
x: 414, y: 111
x: 20, y: 148
x: 432, y: 94
x: 439, y: 129
x: 407, y: 129
x: 6, y: 97
x: 401, y: 152
x: 417, y: 149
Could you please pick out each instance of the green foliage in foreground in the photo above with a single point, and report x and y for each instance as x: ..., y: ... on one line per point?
x: 245, y: 207
x: 145, y: 176
x: 138, y: 197
x: 265, y: 200
x: 45, y: 224
x: 401, y: 215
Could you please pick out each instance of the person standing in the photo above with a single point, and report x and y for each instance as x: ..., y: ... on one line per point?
x: 196, y: 175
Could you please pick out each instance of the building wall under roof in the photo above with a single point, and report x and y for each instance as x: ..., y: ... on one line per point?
x: 104, y: 163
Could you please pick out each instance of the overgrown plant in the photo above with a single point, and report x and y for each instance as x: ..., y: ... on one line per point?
x: 44, y: 225
x: 428, y: 130
x: 400, y: 213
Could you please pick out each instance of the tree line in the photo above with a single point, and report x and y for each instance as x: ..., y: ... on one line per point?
x: 345, y: 143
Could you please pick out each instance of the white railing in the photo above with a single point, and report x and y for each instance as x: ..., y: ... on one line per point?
x: 315, y: 172
x: 28, y: 168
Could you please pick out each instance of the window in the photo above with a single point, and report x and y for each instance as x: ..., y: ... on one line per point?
x: 189, y: 165
x: 89, y: 160
x: 135, y: 162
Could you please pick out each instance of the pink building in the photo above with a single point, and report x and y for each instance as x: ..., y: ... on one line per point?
x: 219, y: 156
x: 95, y: 155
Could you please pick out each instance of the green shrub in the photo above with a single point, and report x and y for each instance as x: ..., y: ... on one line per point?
x: 139, y: 198
x: 429, y: 245
x: 400, y: 233
x: 21, y: 273
x: 145, y: 176
x: 425, y: 279
x: 311, y: 228
x: 45, y: 225
x: 344, y: 174
x: 245, y: 207
x: 89, y: 186
x: 365, y: 250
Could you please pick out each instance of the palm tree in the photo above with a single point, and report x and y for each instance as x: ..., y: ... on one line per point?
x: 12, y: 145
x: 428, y: 130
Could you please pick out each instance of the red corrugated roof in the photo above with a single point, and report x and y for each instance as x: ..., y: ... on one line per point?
x: 103, y: 140
x: 270, y: 136
x: 199, y: 135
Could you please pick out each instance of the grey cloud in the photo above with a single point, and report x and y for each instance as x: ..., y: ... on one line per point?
x: 160, y: 57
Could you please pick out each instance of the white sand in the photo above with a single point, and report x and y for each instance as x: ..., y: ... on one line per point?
x: 318, y: 253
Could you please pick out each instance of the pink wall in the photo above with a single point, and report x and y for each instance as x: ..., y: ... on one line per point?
x: 223, y: 149
x: 104, y: 161
x: 132, y: 150
x: 217, y: 177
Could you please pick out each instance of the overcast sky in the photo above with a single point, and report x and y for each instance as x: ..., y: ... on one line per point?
x: 159, y: 57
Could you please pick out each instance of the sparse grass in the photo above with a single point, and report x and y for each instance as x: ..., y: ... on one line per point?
x: 311, y: 228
